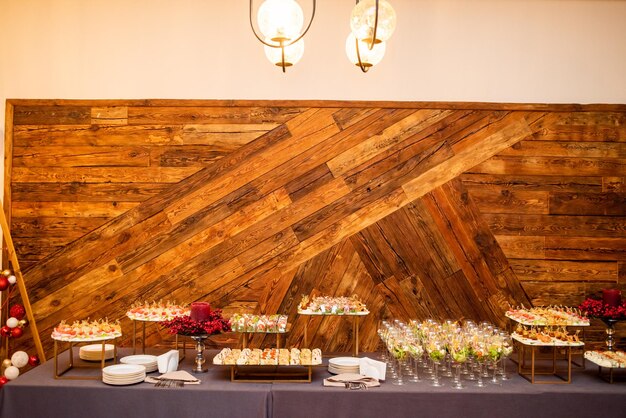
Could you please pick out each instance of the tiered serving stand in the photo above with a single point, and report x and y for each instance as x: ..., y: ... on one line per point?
x: 248, y: 334
x: 526, y: 345
x: 268, y: 373
x: 531, y: 374
x: 177, y: 345
x: 355, y: 316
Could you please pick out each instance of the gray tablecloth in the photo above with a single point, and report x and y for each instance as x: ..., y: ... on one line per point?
x: 37, y: 394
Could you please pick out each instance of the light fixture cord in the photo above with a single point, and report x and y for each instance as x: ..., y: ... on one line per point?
x: 371, y: 45
x: 358, y: 55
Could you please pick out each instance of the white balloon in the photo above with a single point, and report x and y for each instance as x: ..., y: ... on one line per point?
x: 12, y: 279
x: 12, y: 322
x: 12, y: 372
x: 19, y: 359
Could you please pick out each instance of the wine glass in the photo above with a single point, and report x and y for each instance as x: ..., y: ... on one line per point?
x: 479, y: 357
x: 507, y: 350
x: 400, y: 353
x: 436, y: 353
x: 494, y: 353
x: 416, y: 351
x: 459, y: 354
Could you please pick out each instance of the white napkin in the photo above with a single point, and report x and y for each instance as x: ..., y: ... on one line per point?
x: 168, y: 362
x: 340, y: 380
x: 372, y: 368
x: 180, y: 375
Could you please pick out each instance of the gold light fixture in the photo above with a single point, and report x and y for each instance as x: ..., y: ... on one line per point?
x: 280, y: 25
x: 372, y: 23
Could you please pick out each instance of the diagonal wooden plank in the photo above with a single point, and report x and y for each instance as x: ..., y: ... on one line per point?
x: 475, y: 149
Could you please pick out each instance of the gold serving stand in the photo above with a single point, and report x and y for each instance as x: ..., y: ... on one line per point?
x: 609, y: 375
x: 355, y: 326
x: 531, y: 373
x: 60, y: 374
x: 567, y: 325
x: 271, y: 373
x: 178, y: 345
x: 246, y: 335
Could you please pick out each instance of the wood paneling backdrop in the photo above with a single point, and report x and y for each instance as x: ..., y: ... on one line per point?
x: 450, y: 210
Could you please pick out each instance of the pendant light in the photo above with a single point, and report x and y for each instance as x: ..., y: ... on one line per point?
x: 372, y: 23
x: 280, y: 25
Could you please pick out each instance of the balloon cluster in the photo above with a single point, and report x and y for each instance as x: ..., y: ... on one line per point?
x: 13, y: 365
x: 13, y: 328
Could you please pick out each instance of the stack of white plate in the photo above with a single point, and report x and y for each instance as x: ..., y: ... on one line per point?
x: 123, y: 374
x: 149, y: 362
x: 339, y: 365
x: 93, y: 352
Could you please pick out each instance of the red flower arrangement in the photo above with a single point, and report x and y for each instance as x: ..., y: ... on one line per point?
x: 598, y: 309
x: 184, y: 325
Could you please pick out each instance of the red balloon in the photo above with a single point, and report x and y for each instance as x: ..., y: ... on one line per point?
x: 5, y: 331
x: 3, y: 381
x: 4, y: 283
x: 17, y: 332
x: 34, y: 360
x: 17, y: 311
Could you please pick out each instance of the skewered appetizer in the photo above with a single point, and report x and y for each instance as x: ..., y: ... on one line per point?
x: 549, y: 335
x: 269, y: 357
x: 87, y: 331
x: 548, y: 316
x: 156, y: 311
x: 330, y: 305
x: 258, y: 323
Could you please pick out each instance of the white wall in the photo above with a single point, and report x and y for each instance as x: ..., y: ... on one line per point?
x: 448, y: 50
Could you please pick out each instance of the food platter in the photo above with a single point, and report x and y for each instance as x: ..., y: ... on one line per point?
x: 552, y: 343
x: 308, y: 312
x: 609, y: 359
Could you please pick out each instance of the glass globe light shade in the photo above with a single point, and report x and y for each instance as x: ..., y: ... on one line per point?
x: 363, y: 18
x: 293, y: 54
x: 369, y: 57
x: 280, y: 19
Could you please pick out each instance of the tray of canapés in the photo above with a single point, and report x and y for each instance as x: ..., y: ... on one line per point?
x: 548, y: 316
x: 329, y: 305
x: 87, y: 331
x: 609, y: 359
x: 156, y: 311
x: 546, y: 336
x: 268, y: 357
x: 266, y: 324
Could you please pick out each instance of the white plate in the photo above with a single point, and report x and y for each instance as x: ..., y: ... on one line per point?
x: 123, y: 369
x: 93, y: 352
x: 344, y: 362
x: 143, y: 359
x: 341, y: 371
x: 96, y: 348
x: 123, y: 382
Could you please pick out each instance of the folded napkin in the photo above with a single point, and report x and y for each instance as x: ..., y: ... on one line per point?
x: 351, y: 381
x: 177, y: 376
x: 372, y: 368
x: 168, y: 362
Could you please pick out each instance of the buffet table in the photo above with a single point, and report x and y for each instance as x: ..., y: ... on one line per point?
x: 38, y: 394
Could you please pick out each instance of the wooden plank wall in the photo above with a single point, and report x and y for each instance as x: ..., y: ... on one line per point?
x: 251, y: 204
x: 556, y: 203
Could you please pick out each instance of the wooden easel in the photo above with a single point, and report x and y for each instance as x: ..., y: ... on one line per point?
x: 21, y: 285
